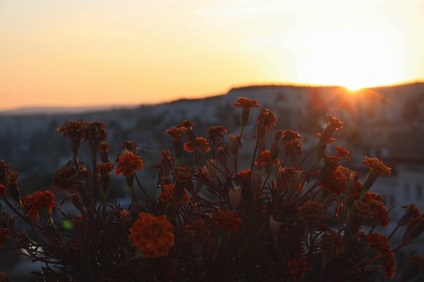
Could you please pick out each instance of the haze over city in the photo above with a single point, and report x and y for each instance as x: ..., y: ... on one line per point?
x: 96, y: 53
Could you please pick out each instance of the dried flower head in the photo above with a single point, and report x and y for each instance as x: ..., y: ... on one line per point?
x: 290, y: 135
x: 216, y: 135
x: 183, y: 174
x: 245, y: 103
x: 335, y: 182
x: 264, y: 158
x: 167, y: 195
x: 128, y: 163
x: 73, y: 129
x: 377, y: 166
x: 202, y: 144
x: 65, y: 177
x: 342, y: 153
x: 227, y: 220
x: 129, y: 146
x: 38, y: 201
x: 265, y: 122
x: 176, y: 133
x: 152, y: 235
x: 187, y: 124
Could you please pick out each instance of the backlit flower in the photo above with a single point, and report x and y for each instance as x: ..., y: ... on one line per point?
x: 128, y: 163
x: 152, y: 235
x: 290, y: 135
x: 225, y: 219
x: 65, y: 177
x: 335, y: 182
x: 242, y: 102
x: 377, y: 166
x: 167, y: 195
x: 72, y: 129
x: 298, y: 268
x: 94, y: 131
x: 264, y: 122
x: 176, y: 133
x: 183, y: 174
x: 331, y: 244
x: 202, y: 144
x: 104, y: 169
x: 342, y: 153
x: 38, y: 201
x: 264, y: 158
x: 216, y: 135
x: 187, y: 124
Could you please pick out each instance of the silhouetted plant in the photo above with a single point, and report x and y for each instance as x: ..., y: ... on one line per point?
x: 279, y: 216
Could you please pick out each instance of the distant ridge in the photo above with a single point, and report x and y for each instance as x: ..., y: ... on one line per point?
x: 62, y: 110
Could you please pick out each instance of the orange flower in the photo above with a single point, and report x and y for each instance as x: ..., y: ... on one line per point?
x: 290, y: 135
x: 265, y: 157
x: 40, y: 200
x: 152, y: 235
x: 225, y: 219
x: 94, y: 131
x: 379, y: 243
x: 335, y: 182
x: 167, y: 195
x: 65, y: 177
x: 332, y: 244
x: 377, y: 166
x: 342, y: 153
x: 3, y: 190
x: 128, y: 163
x: 104, y: 169
x: 298, y: 268
x: 265, y: 122
x: 187, y: 124
x: 202, y: 143
x: 311, y: 211
x: 103, y: 147
x: 183, y: 173
x: 176, y: 133
x: 72, y: 129
x: 242, y: 102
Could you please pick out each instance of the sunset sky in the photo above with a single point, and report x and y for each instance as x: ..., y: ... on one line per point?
x: 86, y: 53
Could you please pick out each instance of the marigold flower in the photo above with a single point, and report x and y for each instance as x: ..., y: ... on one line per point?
x: 152, y: 235
x: 342, y: 153
x: 244, y: 177
x: 65, y: 177
x: 379, y: 243
x: 4, y: 235
x: 72, y: 129
x: 389, y: 262
x: 264, y: 158
x: 227, y: 220
x: 94, y: 131
x: 3, y: 190
x: 129, y: 146
x: 103, y: 147
x: 104, y: 169
x: 379, y: 212
x: 202, y: 144
x: 176, y: 133
x: 332, y: 244
x: 310, y: 211
x: 187, y: 124
x: 167, y: 195
x: 335, y: 182
x: 183, y: 174
x: 128, y: 163
x: 40, y: 200
x: 265, y: 122
x: 216, y: 135
x: 298, y: 268
x: 377, y: 166
x: 411, y: 211
x: 290, y: 135
x: 242, y: 102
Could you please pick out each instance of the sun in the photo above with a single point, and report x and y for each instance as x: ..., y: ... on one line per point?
x: 350, y: 57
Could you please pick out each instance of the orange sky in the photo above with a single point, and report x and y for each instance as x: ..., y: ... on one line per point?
x: 84, y: 53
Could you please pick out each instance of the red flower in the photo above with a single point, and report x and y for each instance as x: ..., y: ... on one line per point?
x: 152, y: 235
x: 342, y: 153
x: 167, y: 195
x: 202, y: 144
x: 265, y: 122
x: 40, y: 200
x: 72, y: 129
x: 128, y: 163
x: 245, y: 103
x: 377, y: 166
x: 225, y: 219
x: 265, y: 157
x: 335, y: 182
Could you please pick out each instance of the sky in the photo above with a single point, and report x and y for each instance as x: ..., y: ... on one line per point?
x: 104, y: 52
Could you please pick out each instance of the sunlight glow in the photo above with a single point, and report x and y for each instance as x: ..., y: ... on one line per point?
x: 350, y: 57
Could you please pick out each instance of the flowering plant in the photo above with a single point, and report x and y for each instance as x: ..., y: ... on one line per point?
x: 280, y: 216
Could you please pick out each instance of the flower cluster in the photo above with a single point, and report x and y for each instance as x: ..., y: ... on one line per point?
x: 219, y: 212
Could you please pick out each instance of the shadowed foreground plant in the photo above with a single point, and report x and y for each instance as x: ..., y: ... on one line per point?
x: 275, y: 217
